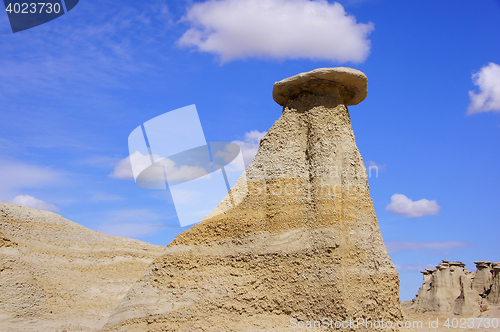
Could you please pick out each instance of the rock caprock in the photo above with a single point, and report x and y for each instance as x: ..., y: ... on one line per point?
x: 302, y: 245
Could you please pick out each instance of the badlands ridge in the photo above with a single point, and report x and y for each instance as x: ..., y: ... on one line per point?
x: 56, y: 275
x: 302, y: 244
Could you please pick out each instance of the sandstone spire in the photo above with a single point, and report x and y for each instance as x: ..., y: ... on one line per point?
x: 494, y: 295
x: 482, y: 279
x: 303, y: 244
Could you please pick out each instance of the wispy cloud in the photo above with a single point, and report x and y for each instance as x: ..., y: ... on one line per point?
x: 415, y: 267
x: 400, y: 246
x: 101, y: 197
x: 16, y: 175
x: 235, y: 29
x: 34, y: 203
x: 7, y: 145
x: 72, y: 68
x: 134, y: 223
x: 98, y: 161
x: 488, y: 98
x: 404, y: 206
x: 106, y: 46
x: 133, y: 214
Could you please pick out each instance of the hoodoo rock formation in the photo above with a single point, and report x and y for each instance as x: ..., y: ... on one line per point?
x: 56, y: 275
x: 494, y: 295
x: 451, y: 288
x: 303, y: 244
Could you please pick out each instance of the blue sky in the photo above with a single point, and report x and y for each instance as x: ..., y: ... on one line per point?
x: 73, y: 89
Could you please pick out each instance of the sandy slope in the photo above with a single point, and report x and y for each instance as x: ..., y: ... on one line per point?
x: 57, y: 275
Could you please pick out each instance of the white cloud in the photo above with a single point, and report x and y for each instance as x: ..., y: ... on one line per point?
x: 250, y: 145
x: 399, y: 246
x: 231, y: 158
x: 402, y: 205
x: 488, y: 98
x: 34, y: 203
x: 228, y: 154
x: 313, y: 29
x: 183, y: 173
x: 123, y: 169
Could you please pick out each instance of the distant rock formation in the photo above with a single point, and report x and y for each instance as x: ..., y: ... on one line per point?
x: 56, y: 275
x: 453, y: 289
x: 304, y: 243
x: 494, y: 295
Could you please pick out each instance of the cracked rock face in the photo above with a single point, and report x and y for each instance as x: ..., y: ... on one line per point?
x: 303, y: 244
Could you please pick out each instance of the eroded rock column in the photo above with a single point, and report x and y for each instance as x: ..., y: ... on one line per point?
x: 494, y: 296
x: 304, y: 243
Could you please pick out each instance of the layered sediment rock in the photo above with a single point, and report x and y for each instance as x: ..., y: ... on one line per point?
x: 304, y: 242
x: 445, y: 289
x: 483, y: 278
x: 451, y: 288
x: 494, y: 295
x: 56, y: 275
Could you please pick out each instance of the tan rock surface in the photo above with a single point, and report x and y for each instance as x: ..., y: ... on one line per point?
x: 349, y: 82
x: 57, y: 275
x: 451, y: 288
x: 494, y: 295
x: 483, y: 278
x: 447, y: 289
x: 303, y: 244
